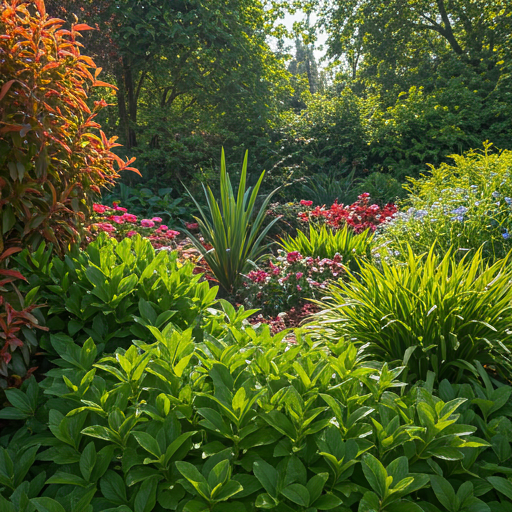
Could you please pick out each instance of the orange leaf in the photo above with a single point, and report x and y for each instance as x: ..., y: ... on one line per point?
x: 98, y: 83
x: 82, y: 26
x: 50, y: 66
x: 40, y: 7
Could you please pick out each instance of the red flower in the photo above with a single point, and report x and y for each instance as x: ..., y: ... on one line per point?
x: 192, y: 225
x: 293, y: 256
x: 306, y: 203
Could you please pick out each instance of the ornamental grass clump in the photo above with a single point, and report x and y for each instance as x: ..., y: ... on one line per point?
x: 433, y: 313
x: 324, y: 242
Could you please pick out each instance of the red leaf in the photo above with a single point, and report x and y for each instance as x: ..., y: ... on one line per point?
x: 8, y: 252
x: 12, y: 273
x: 5, y: 88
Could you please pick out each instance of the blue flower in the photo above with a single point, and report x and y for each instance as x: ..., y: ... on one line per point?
x: 496, y: 194
x: 506, y: 235
x: 461, y: 210
x: 508, y: 200
x: 460, y: 218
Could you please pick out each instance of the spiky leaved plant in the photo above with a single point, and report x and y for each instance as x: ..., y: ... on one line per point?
x: 232, y: 234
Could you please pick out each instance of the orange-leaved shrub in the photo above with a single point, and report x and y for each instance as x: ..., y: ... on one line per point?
x: 53, y: 155
x: 54, y: 158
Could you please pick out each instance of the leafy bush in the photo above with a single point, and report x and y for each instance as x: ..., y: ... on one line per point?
x: 323, y: 242
x: 114, y: 290
x: 360, y: 216
x: 289, y: 283
x: 53, y: 154
x: 382, y: 187
x: 329, y: 188
x: 431, y: 314
x: 232, y: 237
x: 246, y: 422
x: 466, y: 205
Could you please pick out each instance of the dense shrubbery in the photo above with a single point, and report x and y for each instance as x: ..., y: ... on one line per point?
x: 113, y: 291
x: 248, y: 421
x: 147, y: 393
x: 465, y: 206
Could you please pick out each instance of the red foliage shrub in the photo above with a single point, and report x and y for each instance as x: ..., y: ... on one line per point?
x: 360, y: 215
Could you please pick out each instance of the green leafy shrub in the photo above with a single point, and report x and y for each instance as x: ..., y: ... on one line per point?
x: 325, y: 189
x: 247, y: 422
x: 233, y: 239
x: 466, y: 205
x: 114, y: 290
x: 324, y: 242
x: 383, y: 188
x: 430, y: 314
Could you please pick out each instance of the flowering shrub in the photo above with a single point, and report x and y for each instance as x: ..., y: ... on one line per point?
x: 463, y: 206
x: 119, y: 223
x: 360, y: 216
x: 288, y: 282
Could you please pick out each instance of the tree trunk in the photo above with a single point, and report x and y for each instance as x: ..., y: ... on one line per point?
x: 129, y: 85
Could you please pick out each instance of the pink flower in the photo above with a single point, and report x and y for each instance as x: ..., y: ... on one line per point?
x: 146, y: 223
x: 120, y: 209
x: 105, y: 226
x: 99, y: 208
x: 129, y: 217
x: 117, y: 219
x: 192, y: 225
x: 298, y: 275
x: 163, y: 227
x: 257, y: 276
x: 156, y: 219
x: 293, y: 256
x: 306, y: 203
x: 299, y: 288
x: 131, y: 233
x: 172, y: 233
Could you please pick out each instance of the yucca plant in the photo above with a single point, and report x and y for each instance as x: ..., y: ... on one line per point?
x: 323, y: 242
x: 233, y: 235
x: 429, y: 314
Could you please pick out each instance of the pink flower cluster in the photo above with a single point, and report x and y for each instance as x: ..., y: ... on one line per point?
x: 360, y: 215
x: 289, y: 281
x: 117, y: 215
